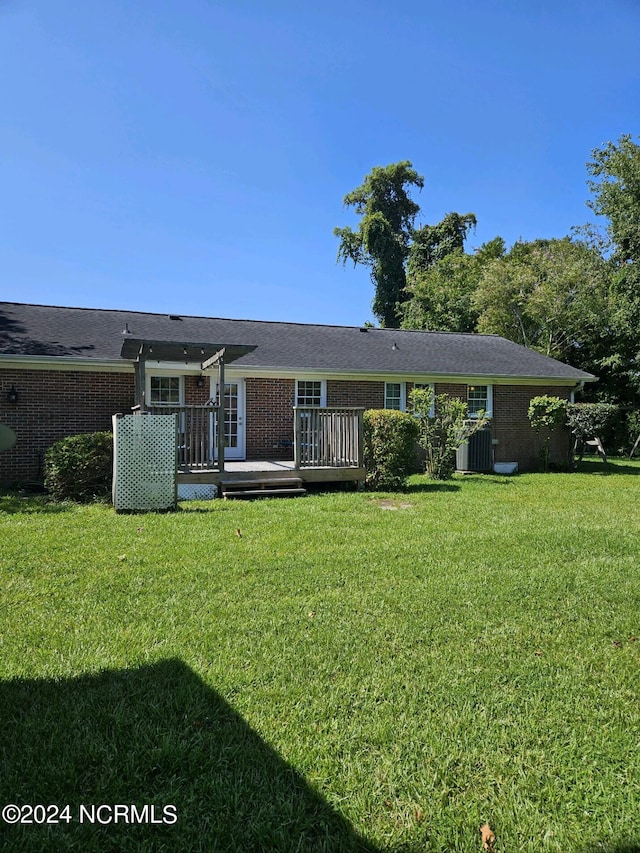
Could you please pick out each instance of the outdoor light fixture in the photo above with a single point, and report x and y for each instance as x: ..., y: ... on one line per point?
x: 12, y: 396
x: 200, y: 381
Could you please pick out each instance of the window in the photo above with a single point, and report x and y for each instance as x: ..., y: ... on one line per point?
x: 311, y: 392
x: 165, y: 389
x: 479, y: 399
x: 394, y: 395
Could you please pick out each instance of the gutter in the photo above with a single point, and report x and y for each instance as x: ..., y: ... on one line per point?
x: 124, y: 366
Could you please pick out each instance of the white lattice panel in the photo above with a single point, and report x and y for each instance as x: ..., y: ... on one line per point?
x: 144, y: 463
x: 197, y: 492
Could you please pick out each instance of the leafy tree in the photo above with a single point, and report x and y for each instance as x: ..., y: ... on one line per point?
x: 549, y: 295
x: 386, y: 240
x: 441, y: 433
x: 442, y: 296
x: 432, y: 243
x: 615, y: 170
x: 382, y: 239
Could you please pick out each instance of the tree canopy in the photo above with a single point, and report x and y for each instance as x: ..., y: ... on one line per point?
x: 386, y: 240
x: 381, y: 241
x: 615, y: 185
x: 573, y: 298
x: 549, y: 295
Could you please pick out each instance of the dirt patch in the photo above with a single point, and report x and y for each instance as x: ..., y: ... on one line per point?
x: 386, y: 503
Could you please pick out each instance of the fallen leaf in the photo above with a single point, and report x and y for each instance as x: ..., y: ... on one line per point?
x: 538, y: 654
x: 311, y: 614
x: 122, y: 557
x: 487, y: 836
x: 633, y: 639
x: 617, y: 644
x: 238, y: 533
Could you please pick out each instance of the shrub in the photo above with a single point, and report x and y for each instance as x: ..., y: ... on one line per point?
x: 389, y: 448
x: 546, y: 413
x: 586, y: 420
x: 632, y: 429
x: 79, y: 468
x: 440, y: 434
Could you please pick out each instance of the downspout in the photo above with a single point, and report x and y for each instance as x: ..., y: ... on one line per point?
x: 578, y: 388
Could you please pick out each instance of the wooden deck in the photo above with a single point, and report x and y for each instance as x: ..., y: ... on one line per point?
x: 260, y: 471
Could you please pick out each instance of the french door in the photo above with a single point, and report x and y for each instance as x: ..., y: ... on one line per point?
x: 234, y: 416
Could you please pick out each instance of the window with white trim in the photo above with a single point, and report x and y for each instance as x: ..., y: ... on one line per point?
x: 479, y: 399
x: 165, y: 390
x: 311, y: 392
x: 395, y: 395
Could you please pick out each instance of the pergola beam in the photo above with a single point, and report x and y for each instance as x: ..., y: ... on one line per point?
x: 214, y: 360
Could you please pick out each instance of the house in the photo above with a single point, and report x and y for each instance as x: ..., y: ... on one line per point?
x: 65, y: 371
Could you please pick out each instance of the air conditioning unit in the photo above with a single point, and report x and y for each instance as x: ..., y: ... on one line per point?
x: 476, y: 454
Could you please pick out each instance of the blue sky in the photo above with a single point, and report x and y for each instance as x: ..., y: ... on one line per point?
x: 192, y: 157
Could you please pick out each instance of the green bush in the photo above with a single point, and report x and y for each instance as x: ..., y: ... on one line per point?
x: 587, y: 420
x: 546, y: 414
x: 440, y: 434
x: 632, y: 424
x: 79, y: 468
x: 389, y: 448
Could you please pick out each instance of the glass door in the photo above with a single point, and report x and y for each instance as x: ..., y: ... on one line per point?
x: 234, y: 427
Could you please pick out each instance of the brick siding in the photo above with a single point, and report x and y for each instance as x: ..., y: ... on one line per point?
x: 517, y: 441
x: 269, y: 418
x: 54, y: 404
x: 369, y: 395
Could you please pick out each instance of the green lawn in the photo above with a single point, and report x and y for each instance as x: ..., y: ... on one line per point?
x: 351, y: 672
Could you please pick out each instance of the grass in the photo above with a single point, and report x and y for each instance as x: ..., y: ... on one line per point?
x: 350, y: 672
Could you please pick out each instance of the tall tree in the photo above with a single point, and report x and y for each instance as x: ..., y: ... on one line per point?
x: 382, y: 239
x: 432, y: 243
x: 549, y: 295
x: 616, y: 190
x: 615, y: 184
x: 442, y: 291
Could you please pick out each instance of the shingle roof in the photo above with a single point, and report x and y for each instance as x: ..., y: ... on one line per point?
x: 91, y: 333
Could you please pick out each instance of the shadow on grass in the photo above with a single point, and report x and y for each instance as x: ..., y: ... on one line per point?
x: 14, y: 503
x: 155, y: 736
x: 431, y: 486
x: 606, y: 469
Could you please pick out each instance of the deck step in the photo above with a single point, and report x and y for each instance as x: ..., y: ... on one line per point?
x: 259, y: 482
x: 262, y: 488
x: 263, y: 493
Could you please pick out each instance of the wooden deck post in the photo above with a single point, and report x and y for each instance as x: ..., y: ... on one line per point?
x: 140, y: 383
x: 297, y: 439
x: 221, y: 412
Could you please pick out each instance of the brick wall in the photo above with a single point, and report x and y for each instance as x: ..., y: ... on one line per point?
x: 269, y: 418
x: 53, y: 404
x: 517, y: 441
x: 369, y: 395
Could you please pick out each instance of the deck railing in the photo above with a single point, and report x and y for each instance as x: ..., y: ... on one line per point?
x: 323, y: 437
x: 196, y: 434
x: 328, y: 438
